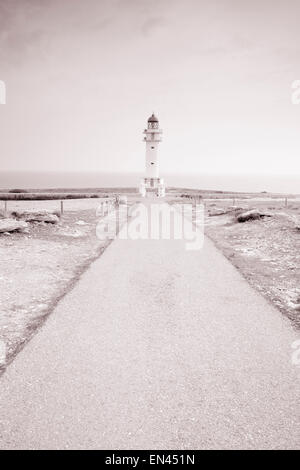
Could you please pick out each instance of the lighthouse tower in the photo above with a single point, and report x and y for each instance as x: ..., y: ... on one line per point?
x: 152, y: 184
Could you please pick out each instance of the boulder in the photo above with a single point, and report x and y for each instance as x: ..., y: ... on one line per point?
x: 216, y: 212
x: 12, y: 225
x: 224, y: 211
x: 36, y: 216
x: 81, y: 222
x: 73, y: 233
x: 251, y: 215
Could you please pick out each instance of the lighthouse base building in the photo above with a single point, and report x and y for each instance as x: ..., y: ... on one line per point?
x: 152, y: 187
x: 152, y: 184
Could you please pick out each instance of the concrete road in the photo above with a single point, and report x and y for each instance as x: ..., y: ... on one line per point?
x: 155, y: 347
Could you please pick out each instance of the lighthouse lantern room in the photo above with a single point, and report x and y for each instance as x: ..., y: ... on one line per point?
x: 152, y: 184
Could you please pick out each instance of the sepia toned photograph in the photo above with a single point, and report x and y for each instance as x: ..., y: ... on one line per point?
x: 149, y: 227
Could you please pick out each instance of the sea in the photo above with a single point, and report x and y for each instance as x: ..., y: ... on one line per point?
x: 286, y: 184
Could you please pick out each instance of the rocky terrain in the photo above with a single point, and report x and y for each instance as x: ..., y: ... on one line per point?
x: 265, y: 249
x: 40, y: 261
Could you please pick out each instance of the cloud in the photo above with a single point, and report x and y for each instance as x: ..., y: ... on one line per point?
x: 31, y: 29
x: 151, y: 25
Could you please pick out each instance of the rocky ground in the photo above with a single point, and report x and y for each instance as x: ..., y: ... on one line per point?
x: 38, y: 266
x: 266, y: 251
x: 41, y: 263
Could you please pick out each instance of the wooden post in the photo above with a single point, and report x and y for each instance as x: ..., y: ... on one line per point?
x: 5, y: 208
x: 286, y: 202
x: 61, y: 207
x: 117, y: 206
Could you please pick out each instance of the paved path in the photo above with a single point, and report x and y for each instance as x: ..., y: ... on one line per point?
x: 155, y: 347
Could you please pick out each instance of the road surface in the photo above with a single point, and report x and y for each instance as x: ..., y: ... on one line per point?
x: 155, y: 347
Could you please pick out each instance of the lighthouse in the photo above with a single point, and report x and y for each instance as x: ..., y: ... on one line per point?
x: 152, y: 184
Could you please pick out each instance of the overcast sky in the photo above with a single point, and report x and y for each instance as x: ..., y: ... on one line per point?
x: 83, y: 76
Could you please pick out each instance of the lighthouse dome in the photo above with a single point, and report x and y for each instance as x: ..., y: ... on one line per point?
x: 153, y: 118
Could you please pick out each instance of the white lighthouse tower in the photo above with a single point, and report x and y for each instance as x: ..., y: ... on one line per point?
x: 152, y: 184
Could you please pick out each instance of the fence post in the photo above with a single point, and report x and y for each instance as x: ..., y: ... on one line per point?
x: 5, y: 208
x: 61, y: 207
x: 117, y: 207
x: 286, y: 202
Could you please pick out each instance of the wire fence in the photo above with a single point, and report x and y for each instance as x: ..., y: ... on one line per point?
x: 107, y: 203
x: 54, y: 205
x: 271, y: 203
